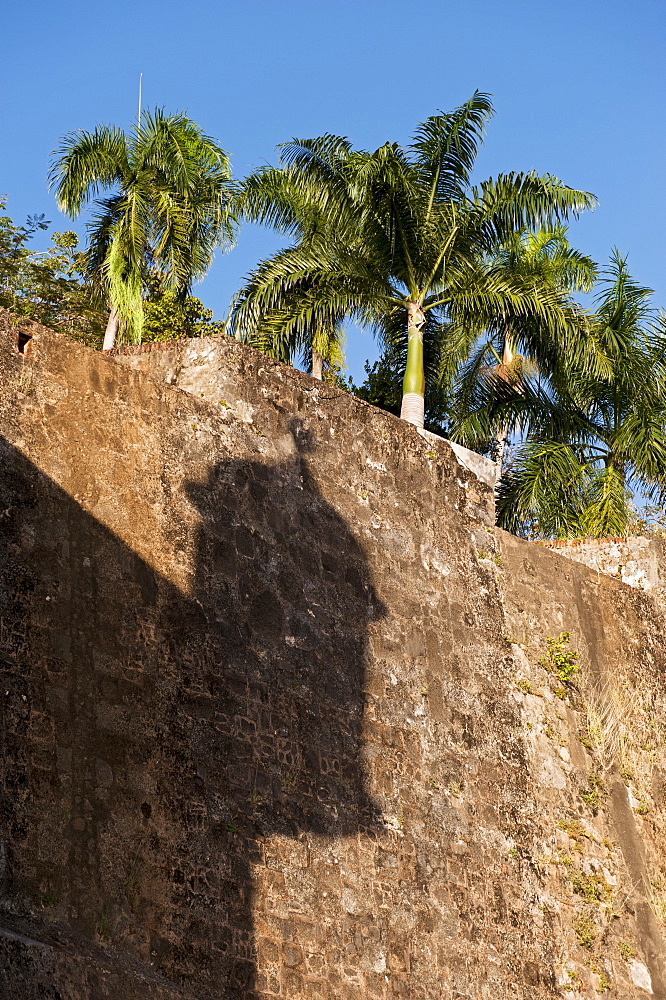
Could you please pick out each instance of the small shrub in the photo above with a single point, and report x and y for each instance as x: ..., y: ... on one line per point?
x: 604, y: 983
x: 586, y: 931
x: 132, y: 890
x: 573, y: 983
x: 593, y: 888
x: 573, y: 827
x: 559, y: 660
x: 104, y: 927
x: 595, y: 793
x: 524, y: 685
x: 586, y: 739
x: 627, y: 950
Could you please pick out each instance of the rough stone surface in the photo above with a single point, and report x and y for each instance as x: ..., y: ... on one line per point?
x: 276, y: 720
x: 638, y: 562
x: 207, y: 367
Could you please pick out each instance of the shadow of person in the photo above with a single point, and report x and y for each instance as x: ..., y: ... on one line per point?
x: 286, y: 595
x: 176, y: 733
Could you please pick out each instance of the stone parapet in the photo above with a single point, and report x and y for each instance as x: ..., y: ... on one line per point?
x: 207, y: 367
x: 637, y: 561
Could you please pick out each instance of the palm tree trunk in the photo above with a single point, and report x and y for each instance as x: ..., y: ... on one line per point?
x: 111, y: 331
x: 498, y: 450
x: 500, y: 438
x: 317, y: 364
x: 413, y: 386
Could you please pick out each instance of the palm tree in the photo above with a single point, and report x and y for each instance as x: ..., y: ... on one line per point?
x: 545, y: 257
x: 280, y: 308
x: 167, y: 210
x: 595, y: 429
x: 295, y: 324
x: 401, y: 240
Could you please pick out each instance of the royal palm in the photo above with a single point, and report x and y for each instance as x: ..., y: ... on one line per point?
x: 166, y: 210
x: 401, y: 240
x: 594, y: 430
x: 514, y: 345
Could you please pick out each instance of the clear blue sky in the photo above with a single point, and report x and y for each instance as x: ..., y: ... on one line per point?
x: 578, y: 89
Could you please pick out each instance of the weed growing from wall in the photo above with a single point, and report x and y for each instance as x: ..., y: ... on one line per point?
x: 561, y: 661
x: 586, y: 931
x: 595, y: 793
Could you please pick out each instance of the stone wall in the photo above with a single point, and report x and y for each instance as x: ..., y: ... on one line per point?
x: 274, y: 719
x: 639, y: 562
x: 209, y: 368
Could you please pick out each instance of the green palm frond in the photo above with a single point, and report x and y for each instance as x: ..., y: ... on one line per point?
x: 610, y: 416
x: 125, y: 291
x: 376, y: 231
x: 445, y: 148
x: 517, y: 201
x: 607, y: 508
x: 170, y: 206
x: 85, y: 163
x: 544, y: 492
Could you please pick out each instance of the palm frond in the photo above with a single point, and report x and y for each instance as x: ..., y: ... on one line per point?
x: 543, y: 493
x: 445, y: 148
x: 85, y: 163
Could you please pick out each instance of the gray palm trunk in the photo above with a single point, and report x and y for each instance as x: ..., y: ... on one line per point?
x: 500, y: 438
x: 317, y: 364
x: 111, y: 331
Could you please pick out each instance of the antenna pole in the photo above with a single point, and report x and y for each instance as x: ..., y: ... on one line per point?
x: 139, y: 116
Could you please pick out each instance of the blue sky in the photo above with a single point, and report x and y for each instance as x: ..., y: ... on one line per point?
x: 578, y: 89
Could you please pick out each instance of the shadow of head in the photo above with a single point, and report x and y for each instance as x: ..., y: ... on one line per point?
x: 288, y: 598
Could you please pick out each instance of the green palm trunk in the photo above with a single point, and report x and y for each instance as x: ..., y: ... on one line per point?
x: 377, y: 234
x: 413, y: 386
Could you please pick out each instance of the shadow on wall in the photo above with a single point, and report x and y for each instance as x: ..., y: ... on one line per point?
x: 153, y: 740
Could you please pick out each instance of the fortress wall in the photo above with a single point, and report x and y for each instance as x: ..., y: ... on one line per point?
x: 274, y: 723
x: 637, y: 561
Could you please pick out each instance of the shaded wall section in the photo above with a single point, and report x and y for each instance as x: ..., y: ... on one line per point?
x: 266, y: 723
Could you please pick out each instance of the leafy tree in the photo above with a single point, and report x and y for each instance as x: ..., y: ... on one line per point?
x: 593, y: 431
x: 166, y: 316
x: 166, y: 211
x: 382, y: 384
x: 14, y: 255
x: 401, y: 240
x: 48, y: 286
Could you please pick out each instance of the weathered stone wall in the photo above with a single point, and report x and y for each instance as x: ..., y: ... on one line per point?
x: 209, y: 367
x: 638, y: 562
x: 273, y: 718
